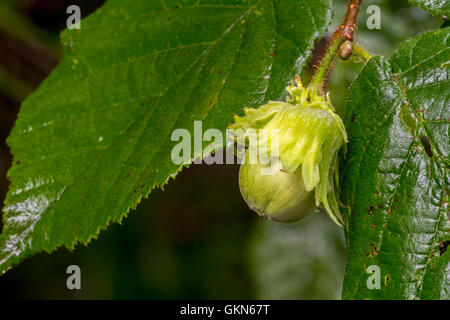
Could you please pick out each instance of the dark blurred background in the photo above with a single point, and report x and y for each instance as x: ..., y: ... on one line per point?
x: 196, y: 239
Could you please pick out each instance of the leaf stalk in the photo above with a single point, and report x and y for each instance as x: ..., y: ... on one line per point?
x: 345, y: 32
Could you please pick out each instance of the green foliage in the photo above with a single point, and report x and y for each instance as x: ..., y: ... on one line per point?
x: 95, y: 137
x: 94, y: 140
x: 435, y: 7
x: 396, y: 176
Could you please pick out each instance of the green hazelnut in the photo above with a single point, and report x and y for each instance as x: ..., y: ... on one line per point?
x: 281, y: 197
x: 309, y: 135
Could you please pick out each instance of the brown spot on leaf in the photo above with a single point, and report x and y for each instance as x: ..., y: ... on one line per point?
x: 374, y: 248
x: 426, y: 143
x: 373, y: 252
x: 443, y: 247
